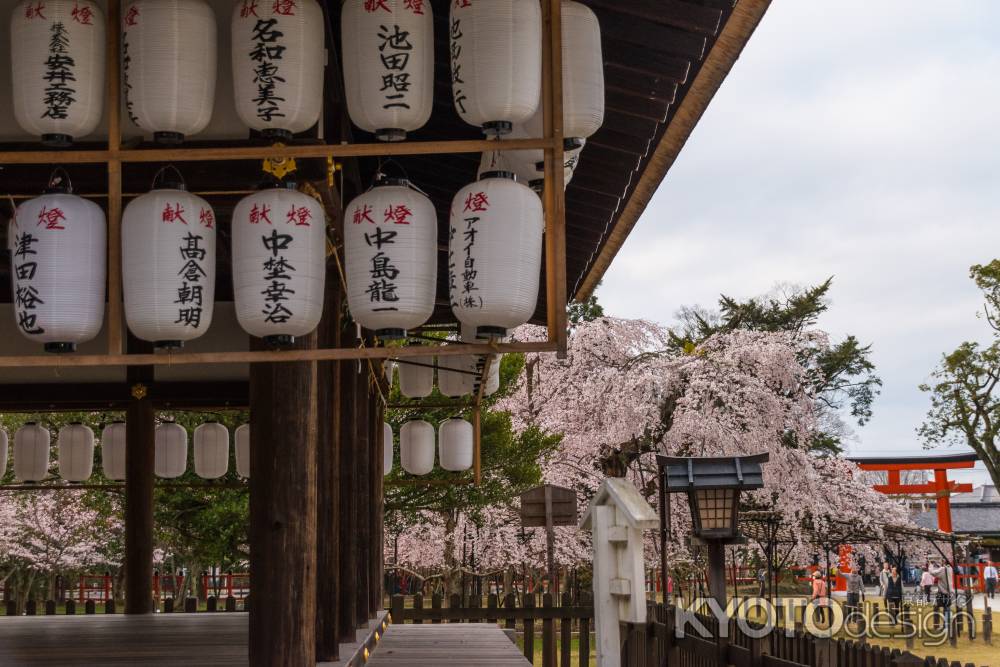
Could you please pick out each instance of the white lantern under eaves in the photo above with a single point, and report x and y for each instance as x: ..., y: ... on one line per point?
x: 388, y: 48
x: 495, y: 252
x: 457, y: 374
x: 390, y: 254
x: 58, y: 251
x: 168, y: 265
x: 76, y: 452
x: 496, y: 61
x: 169, y: 64
x: 455, y: 444
x: 279, y: 264
x: 416, y: 447
x: 57, y: 65
x: 582, y: 72
x: 468, y: 335
x: 416, y: 381
x: 211, y: 450
x: 242, y: 438
x: 572, y: 147
x: 31, y: 453
x: 113, y: 450
x: 3, y: 452
x: 386, y: 449
x: 171, y: 446
x: 278, y: 56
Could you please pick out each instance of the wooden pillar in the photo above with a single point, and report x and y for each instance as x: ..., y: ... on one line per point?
x: 362, y: 491
x: 347, y: 621
x: 139, y: 450
x: 283, y: 434
x: 378, y: 507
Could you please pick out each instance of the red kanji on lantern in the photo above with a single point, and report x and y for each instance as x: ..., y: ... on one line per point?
x: 361, y: 214
x: 34, y: 11
x: 399, y: 214
x: 249, y: 8
x: 375, y: 5
x: 476, y: 201
x: 283, y: 7
x: 206, y: 218
x: 258, y: 214
x: 132, y: 16
x: 300, y: 215
x: 463, y: 3
x: 415, y: 6
x: 82, y: 15
x: 174, y: 213
x: 51, y: 217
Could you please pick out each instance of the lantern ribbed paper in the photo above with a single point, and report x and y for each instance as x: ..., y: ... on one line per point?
x: 390, y: 251
x: 468, y: 335
x: 211, y: 450
x: 3, y: 452
x: 242, y: 439
x: 496, y: 61
x: 113, y: 451
x: 58, y: 248
x: 582, y: 71
x: 31, y: 453
x: 388, y: 48
x: 76, y: 452
x: 278, y: 56
x: 389, y: 368
x: 171, y: 446
x: 416, y: 381
x: 495, y: 254
x: 169, y: 64
x: 168, y: 266
x: 57, y: 65
x: 455, y: 444
x: 456, y: 374
x: 386, y: 449
x: 416, y: 447
x: 279, y: 264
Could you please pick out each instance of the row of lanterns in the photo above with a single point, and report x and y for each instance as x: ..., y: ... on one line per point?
x: 416, y: 446
x: 76, y: 451
x: 456, y: 376
x: 169, y: 62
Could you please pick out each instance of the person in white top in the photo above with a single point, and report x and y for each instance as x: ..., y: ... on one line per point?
x: 926, y: 581
x: 990, y: 575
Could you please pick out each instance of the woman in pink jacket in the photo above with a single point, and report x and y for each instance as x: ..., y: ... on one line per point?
x: 819, y: 595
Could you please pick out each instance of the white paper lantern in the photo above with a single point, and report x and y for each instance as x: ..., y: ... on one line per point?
x: 468, y: 335
x: 211, y: 450
x: 496, y: 61
x: 416, y: 381
x: 31, y: 453
x: 76, y: 452
x: 113, y: 450
x: 389, y: 368
x: 582, y: 71
x: 278, y: 58
x: 456, y: 374
x: 3, y: 452
x: 168, y: 266
x: 59, y: 253
x: 242, y: 438
x: 171, y: 446
x: 388, y: 48
x: 169, y: 66
x: 57, y: 65
x: 279, y: 264
x: 386, y: 449
x: 416, y: 447
x: 495, y: 253
x: 534, y: 129
x: 390, y: 253
x: 455, y: 444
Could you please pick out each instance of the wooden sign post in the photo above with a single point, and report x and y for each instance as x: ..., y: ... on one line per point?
x: 549, y: 506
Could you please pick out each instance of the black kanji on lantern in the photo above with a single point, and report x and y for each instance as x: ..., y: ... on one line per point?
x: 266, y: 51
x: 59, y: 75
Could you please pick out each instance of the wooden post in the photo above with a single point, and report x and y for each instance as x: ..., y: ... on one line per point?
x: 348, y: 564
x: 139, y: 458
x: 377, y: 561
x: 113, y: 84
x: 283, y: 428
x: 361, y: 490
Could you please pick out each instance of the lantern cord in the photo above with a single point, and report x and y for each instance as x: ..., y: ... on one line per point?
x: 163, y: 170
x: 58, y: 177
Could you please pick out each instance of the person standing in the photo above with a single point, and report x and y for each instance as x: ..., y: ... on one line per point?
x: 883, y: 579
x: 926, y: 581
x: 855, y: 592
x: 819, y: 598
x: 894, y: 594
x: 945, y: 580
x: 990, y: 575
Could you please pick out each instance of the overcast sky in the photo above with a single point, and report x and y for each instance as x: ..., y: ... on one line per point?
x: 856, y: 139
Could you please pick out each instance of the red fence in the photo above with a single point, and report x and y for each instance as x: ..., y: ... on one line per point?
x: 100, y: 587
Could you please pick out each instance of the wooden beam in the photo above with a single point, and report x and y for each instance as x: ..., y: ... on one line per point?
x: 62, y: 397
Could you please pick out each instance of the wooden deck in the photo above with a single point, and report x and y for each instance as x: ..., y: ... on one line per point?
x: 446, y: 645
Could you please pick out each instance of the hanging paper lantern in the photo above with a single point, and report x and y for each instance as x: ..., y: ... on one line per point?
x: 279, y: 264
x: 390, y: 252
x: 3, y: 452
x: 58, y: 252
x: 171, y: 447
x: 389, y: 368
x: 495, y: 253
x: 242, y: 438
x: 455, y: 444
x: 169, y: 66
x: 57, y: 65
x: 113, y: 450
x: 572, y: 147
x: 456, y: 374
x: 31, y: 453
x: 278, y: 56
x: 416, y: 381
x: 468, y: 335
x: 211, y: 450
x: 388, y: 48
x: 76, y: 452
x: 168, y: 265
x: 416, y: 447
x: 520, y: 162
x: 582, y: 71
x: 386, y: 449
x: 496, y: 61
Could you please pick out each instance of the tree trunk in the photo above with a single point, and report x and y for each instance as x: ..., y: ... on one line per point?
x: 452, y: 576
